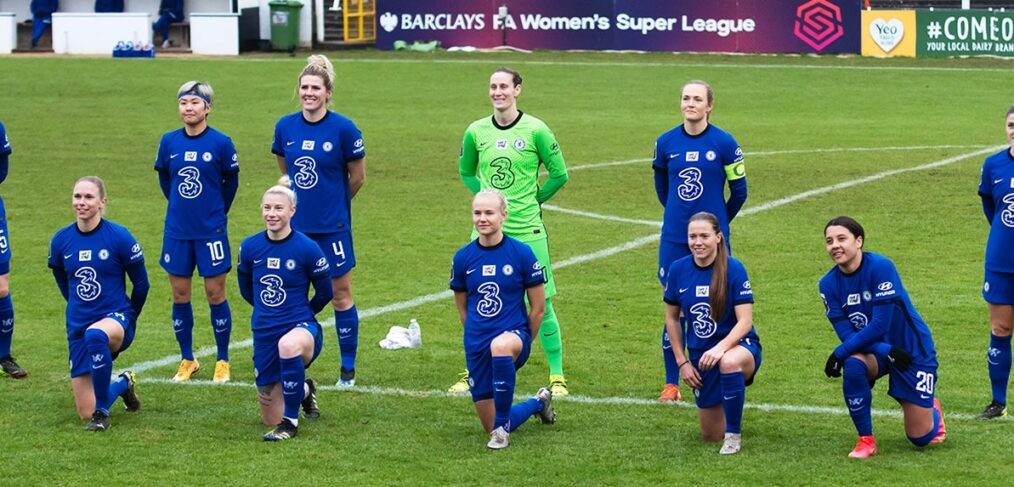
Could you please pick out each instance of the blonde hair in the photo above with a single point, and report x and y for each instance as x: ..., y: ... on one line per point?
x: 99, y: 183
x: 319, y: 65
x: 199, y: 89
x: 281, y: 190
x: 495, y: 194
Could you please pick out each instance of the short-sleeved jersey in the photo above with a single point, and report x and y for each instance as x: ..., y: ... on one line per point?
x: 698, y: 167
x: 508, y: 160
x: 196, y: 166
x: 316, y: 156
x: 495, y: 279
x: 689, y: 287
x: 95, y: 264
x: 998, y: 182
x: 853, y: 297
x: 282, y: 273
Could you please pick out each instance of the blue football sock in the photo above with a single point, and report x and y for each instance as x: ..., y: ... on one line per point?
x: 6, y: 325
x: 97, y: 343
x: 858, y: 395
x: 346, y: 323
x: 928, y: 437
x: 998, y: 360
x: 183, y: 325
x: 733, y: 398
x: 503, y: 390
x: 672, y: 369
x: 293, y: 376
x: 521, y: 411
x: 221, y: 322
x: 116, y: 389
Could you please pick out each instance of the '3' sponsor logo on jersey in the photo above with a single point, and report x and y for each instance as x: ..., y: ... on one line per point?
x: 191, y: 186
x: 306, y: 174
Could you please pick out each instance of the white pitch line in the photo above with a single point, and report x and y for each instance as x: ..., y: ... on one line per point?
x: 855, y: 182
x: 371, y: 312
x: 602, y: 401
x: 789, y: 199
x: 830, y: 150
x: 600, y: 216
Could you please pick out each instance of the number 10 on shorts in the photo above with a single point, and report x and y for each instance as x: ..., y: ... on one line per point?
x: 216, y: 250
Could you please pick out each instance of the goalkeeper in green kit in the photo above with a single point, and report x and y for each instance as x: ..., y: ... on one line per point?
x: 504, y: 152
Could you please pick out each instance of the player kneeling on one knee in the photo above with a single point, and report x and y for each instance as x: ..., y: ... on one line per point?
x: 712, y: 290
x: 491, y: 276
x: 276, y: 269
x: 881, y: 334
x: 90, y: 260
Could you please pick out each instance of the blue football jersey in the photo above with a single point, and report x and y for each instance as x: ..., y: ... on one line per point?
x: 697, y: 166
x: 855, y: 297
x: 95, y: 264
x: 998, y: 182
x: 196, y: 166
x: 282, y: 272
x: 5, y: 145
x: 495, y: 279
x: 689, y: 287
x: 316, y: 155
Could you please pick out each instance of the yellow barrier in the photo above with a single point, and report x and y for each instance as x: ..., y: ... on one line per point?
x: 360, y: 20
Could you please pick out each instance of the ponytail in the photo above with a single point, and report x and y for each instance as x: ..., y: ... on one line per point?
x: 718, y: 295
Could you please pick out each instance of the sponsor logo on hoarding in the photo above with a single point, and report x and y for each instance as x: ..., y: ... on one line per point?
x: 818, y: 23
x: 887, y: 33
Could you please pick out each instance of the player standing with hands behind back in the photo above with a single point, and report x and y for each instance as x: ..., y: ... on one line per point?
x: 323, y: 155
x: 996, y: 189
x: 198, y: 171
x: 692, y: 164
x: 505, y: 152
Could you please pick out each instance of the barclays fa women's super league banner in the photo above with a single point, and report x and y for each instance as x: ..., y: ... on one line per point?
x: 803, y: 26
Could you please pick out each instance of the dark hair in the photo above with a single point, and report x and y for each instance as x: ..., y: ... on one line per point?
x: 718, y: 296
x: 515, y: 76
x: 1009, y: 111
x: 849, y: 223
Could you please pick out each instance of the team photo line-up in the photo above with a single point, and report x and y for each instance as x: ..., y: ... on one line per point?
x: 502, y: 280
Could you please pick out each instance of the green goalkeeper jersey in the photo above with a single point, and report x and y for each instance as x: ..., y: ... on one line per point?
x: 508, y: 159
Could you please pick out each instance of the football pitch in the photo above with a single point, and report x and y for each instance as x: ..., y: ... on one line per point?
x: 897, y: 144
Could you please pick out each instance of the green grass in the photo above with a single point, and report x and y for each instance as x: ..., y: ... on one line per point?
x: 69, y: 117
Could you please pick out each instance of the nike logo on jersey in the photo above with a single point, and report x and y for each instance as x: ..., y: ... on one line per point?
x: 216, y: 263
x: 683, y: 290
x: 174, y: 156
x: 469, y: 271
x: 728, y: 397
x: 674, y: 155
x: 923, y: 396
x: 289, y: 143
x: 258, y: 261
x: 68, y: 256
x: 997, y: 181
